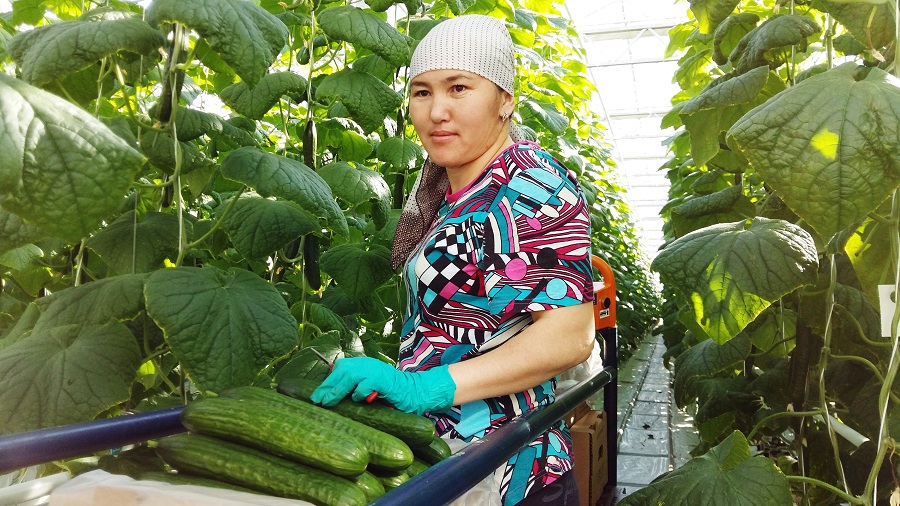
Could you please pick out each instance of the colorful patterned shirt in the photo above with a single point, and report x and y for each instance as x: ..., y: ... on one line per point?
x: 516, y: 240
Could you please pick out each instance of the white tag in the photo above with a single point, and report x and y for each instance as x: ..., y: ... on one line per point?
x: 888, y: 304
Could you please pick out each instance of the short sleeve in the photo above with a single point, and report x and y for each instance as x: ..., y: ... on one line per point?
x: 536, y: 244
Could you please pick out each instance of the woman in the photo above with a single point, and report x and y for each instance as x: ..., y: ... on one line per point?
x: 495, y: 240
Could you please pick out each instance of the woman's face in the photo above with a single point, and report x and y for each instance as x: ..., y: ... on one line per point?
x: 457, y: 116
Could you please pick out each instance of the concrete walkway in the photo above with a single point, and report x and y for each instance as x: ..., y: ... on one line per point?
x: 654, y: 435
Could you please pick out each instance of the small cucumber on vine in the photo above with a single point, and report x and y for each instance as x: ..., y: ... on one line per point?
x: 311, y: 270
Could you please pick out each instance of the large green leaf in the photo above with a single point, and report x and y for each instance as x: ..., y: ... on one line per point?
x: 705, y: 360
x: 13, y: 231
x: 776, y: 32
x: 400, y: 153
x: 246, y: 36
x: 731, y: 272
x: 257, y: 101
x: 365, y: 29
x: 346, y: 137
x: 458, y: 7
x: 277, y: 176
x: 224, y: 327
x: 118, y: 297
x: 258, y: 227
x: 357, y: 270
x: 132, y: 244
x: 64, y: 170
x: 724, y: 206
x: 191, y: 123
x: 720, y: 105
x: 547, y: 115
x: 710, y: 13
x: 160, y: 150
x: 357, y: 185
x: 367, y: 98
x: 869, y: 20
x: 724, y: 476
x: 65, y: 374
x: 829, y: 146
x: 53, y: 51
x: 729, y: 34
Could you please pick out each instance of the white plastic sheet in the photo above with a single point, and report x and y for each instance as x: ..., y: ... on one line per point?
x: 486, y: 492
x: 99, y: 488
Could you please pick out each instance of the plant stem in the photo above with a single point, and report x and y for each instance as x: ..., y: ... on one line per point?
x: 219, y: 221
x: 80, y: 262
x: 831, y: 488
x: 883, y: 396
x: 859, y: 329
x: 782, y: 414
x: 823, y: 364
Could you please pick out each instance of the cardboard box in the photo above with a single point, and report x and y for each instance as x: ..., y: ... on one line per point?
x: 576, y: 414
x: 590, y: 464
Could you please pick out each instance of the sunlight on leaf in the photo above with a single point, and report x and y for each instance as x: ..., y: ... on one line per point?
x: 859, y: 109
x: 731, y: 272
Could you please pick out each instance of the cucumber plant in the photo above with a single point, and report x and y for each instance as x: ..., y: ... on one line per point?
x: 782, y: 224
x: 194, y: 191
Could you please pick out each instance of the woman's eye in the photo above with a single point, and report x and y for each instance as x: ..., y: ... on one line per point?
x: 420, y: 93
x: 459, y: 88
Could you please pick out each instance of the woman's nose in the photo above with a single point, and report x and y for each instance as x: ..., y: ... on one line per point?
x: 440, y: 109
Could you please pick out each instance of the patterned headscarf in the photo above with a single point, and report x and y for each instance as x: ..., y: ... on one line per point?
x: 474, y: 43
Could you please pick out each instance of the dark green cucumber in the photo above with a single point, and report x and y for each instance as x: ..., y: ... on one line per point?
x: 417, y: 467
x: 247, y: 467
x: 413, y: 429
x: 285, y: 432
x: 370, y: 485
x: 435, y: 452
x: 385, y: 450
x: 391, y: 480
x: 190, y: 479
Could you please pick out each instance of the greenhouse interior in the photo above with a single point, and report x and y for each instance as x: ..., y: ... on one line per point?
x: 274, y: 253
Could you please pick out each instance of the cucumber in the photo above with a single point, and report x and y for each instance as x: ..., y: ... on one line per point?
x: 385, y: 451
x: 435, y: 452
x: 288, y: 433
x: 370, y: 485
x: 247, y: 467
x: 391, y: 480
x: 417, y: 467
x: 412, y: 429
x: 190, y: 479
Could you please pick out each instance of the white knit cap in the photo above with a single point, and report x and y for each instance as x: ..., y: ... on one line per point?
x: 474, y: 43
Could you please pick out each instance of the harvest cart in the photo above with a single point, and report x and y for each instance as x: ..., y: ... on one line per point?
x: 468, y: 467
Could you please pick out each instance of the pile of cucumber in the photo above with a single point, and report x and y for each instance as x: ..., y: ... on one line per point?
x: 278, y: 443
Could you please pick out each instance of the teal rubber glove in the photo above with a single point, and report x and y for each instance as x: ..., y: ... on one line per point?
x: 420, y: 392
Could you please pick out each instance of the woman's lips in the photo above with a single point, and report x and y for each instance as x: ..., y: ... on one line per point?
x: 442, y: 136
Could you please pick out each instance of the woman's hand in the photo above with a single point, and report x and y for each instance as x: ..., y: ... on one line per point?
x: 558, y: 339
x: 412, y: 392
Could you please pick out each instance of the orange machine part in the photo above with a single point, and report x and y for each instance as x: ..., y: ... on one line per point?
x: 604, y: 295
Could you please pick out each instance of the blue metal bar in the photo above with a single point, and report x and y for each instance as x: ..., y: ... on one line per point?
x: 452, y: 477
x: 610, y: 405
x: 80, y: 439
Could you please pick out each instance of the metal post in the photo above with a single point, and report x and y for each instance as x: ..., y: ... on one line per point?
x: 610, y: 404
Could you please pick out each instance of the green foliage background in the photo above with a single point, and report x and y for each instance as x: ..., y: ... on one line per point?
x: 782, y: 223
x: 193, y: 193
